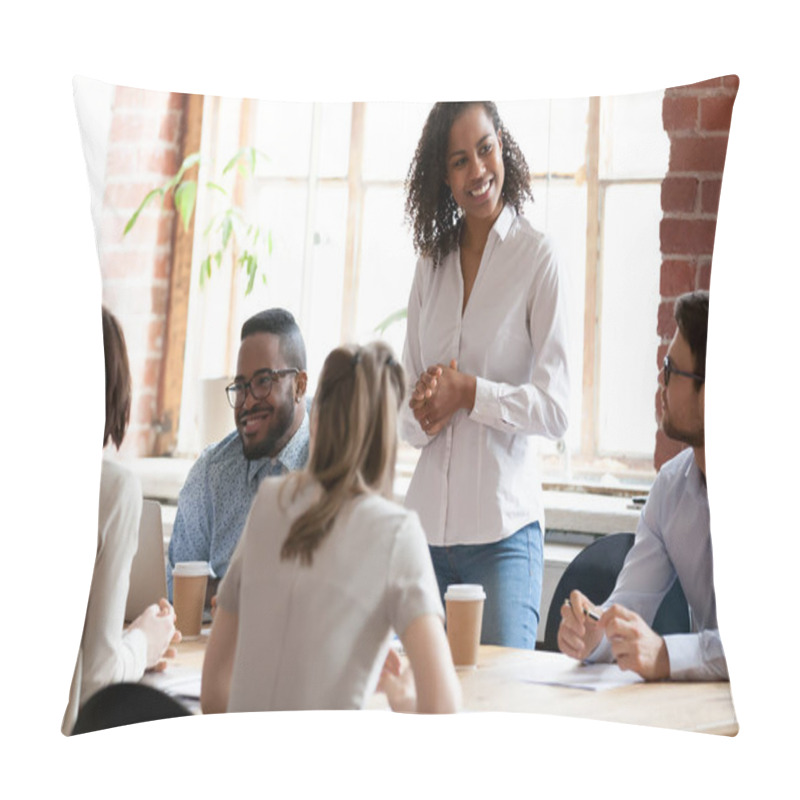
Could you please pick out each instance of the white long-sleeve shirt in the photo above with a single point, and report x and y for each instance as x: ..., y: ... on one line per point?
x: 673, y: 539
x: 477, y: 481
x: 107, y: 653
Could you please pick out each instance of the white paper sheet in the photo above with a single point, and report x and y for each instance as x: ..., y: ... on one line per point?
x: 180, y: 682
x: 593, y: 677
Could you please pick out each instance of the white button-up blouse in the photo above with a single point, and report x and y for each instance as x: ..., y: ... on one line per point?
x: 477, y: 481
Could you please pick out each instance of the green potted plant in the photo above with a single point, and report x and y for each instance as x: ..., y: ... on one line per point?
x: 228, y: 228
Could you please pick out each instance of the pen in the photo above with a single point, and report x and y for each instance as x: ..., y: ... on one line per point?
x: 586, y: 612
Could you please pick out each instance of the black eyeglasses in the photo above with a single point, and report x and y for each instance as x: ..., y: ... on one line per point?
x: 669, y: 369
x: 260, y: 385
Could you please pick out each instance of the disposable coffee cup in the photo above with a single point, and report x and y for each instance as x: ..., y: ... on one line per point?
x: 189, y: 579
x: 464, y: 609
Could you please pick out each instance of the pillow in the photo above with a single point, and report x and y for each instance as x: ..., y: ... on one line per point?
x: 144, y: 149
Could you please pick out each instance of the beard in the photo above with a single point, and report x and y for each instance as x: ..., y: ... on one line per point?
x: 276, y: 436
x: 694, y: 438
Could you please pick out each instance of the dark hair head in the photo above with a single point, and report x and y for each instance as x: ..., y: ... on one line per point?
x: 355, y: 442
x: 691, y: 314
x: 431, y: 211
x: 281, y: 323
x: 118, y: 380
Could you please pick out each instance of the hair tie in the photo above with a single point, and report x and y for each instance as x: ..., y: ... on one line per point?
x: 356, y: 357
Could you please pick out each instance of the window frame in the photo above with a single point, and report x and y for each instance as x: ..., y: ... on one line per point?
x: 590, y: 461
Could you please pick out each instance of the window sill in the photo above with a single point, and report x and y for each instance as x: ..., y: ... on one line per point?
x: 571, y: 517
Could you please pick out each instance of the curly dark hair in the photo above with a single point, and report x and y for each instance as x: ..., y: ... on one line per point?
x: 431, y: 211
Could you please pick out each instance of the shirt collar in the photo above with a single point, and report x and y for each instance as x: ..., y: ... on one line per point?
x: 693, y: 475
x: 293, y: 456
x: 502, y: 225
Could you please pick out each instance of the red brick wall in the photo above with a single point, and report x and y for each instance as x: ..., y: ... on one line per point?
x: 697, y: 119
x: 143, y: 150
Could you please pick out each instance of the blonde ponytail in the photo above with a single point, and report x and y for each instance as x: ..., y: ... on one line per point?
x: 355, y: 444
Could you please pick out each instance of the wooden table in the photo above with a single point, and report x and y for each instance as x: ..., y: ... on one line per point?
x: 504, y: 681
x: 496, y: 685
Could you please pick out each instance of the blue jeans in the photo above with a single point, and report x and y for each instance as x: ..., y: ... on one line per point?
x: 510, y: 572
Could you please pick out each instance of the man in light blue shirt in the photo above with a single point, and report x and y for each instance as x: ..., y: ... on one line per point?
x: 271, y: 438
x: 672, y: 540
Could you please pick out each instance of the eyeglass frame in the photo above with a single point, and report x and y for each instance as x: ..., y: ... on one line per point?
x: 668, y: 369
x: 244, y: 386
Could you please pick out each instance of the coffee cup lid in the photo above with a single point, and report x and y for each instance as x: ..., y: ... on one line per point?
x: 191, y: 568
x: 465, y: 591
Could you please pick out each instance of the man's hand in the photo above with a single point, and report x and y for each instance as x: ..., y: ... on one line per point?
x: 578, y: 634
x: 635, y: 645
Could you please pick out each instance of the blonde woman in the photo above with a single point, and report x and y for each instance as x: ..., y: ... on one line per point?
x: 328, y: 566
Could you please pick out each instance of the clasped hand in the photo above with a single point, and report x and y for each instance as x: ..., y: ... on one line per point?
x: 634, y: 644
x: 436, y: 397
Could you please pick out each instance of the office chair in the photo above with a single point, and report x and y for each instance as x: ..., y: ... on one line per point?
x: 126, y: 704
x: 594, y: 572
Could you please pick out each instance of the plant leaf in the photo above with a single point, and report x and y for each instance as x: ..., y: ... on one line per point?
x: 188, y: 163
x: 227, y: 230
x: 244, y: 159
x: 269, y: 242
x: 205, y: 270
x: 252, y: 268
x: 157, y: 192
x: 210, y: 225
x: 185, y: 196
x: 216, y: 187
x: 390, y: 320
x: 233, y: 161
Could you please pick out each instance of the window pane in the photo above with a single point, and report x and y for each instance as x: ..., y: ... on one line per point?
x: 633, y: 141
x: 560, y: 211
x: 550, y: 133
x: 281, y: 209
x: 283, y: 133
x: 314, y: 293
x: 334, y: 145
x: 391, y: 133
x: 321, y: 320
x: 387, y: 266
x: 628, y: 337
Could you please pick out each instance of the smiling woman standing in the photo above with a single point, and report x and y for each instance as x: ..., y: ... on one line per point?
x: 486, y: 353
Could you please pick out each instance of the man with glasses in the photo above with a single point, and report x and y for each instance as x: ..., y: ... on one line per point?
x: 271, y: 438
x: 672, y: 540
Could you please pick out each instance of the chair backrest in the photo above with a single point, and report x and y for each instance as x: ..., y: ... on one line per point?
x: 126, y: 704
x: 594, y: 572
x: 148, y: 581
